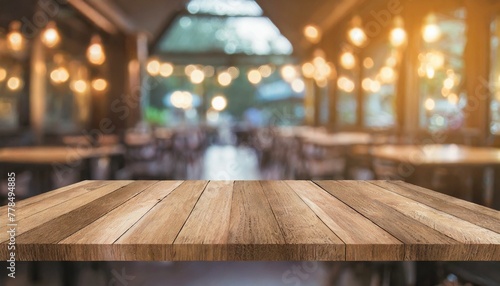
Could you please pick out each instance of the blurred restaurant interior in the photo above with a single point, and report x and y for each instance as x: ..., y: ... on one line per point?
x: 254, y: 90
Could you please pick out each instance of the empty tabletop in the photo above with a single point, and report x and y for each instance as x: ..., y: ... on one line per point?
x: 337, y: 139
x: 251, y: 220
x: 447, y: 154
x: 56, y: 154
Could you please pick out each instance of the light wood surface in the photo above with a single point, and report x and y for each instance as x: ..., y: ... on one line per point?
x: 56, y: 154
x: 251, y: 220
x: 437, y: 154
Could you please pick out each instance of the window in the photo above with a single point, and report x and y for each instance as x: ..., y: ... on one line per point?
x: 441, y: 71
x: 495, y: 77
x: 347, y: 97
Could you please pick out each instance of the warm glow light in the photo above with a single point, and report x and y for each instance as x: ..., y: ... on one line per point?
x: 197, y: 76
x: 288, y: 73
x: 445, y: 92
x: 99, y: 84
x: 387, y: 74
x: 254, y: 77
x: 15, y: 40
x: 59, y: 75
x: 345, y: 84
x: 357, y: 36
x: 453, y: 99
x: 429, y: 104
x: 14, y: 83
x: 3, y: 74
x: 50, y: 36
x: 375, y: 86
x: 189, y: 69
x: 79, y: 86
x: 224, y: 79
x: 308, y: 70
x: 265, y: 71
x: 153, y: 67
x: 95, y: 52
x: 347, y: 60
x: 219, y: 103
x: 398, y: 37
x: 430, y: 72
x: 166, y: 69
x: 366, y: 84
x: 449, y: 83
x: 182, y: 99
x: 234, y: 72
x: 368, y: 63
x: 312, y: 33
x: 431, y: 31
x: 298, y: 85
x: 435, y: 59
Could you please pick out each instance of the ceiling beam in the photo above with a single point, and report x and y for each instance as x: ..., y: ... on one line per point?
x: 111, y: 11
x: 93, y: 15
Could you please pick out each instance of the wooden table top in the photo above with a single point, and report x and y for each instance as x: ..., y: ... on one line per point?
x: 56, y: 154
x: 448, y: 154
x: 251, y: 220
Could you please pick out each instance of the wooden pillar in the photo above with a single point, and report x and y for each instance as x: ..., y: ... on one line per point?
x: 38, y: 89
x: 477, y: 66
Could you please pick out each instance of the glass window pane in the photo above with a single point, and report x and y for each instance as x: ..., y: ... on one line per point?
x: 441, y: 71
x: 230, y: 35
x: 495, y: 77
x: 379, y: 86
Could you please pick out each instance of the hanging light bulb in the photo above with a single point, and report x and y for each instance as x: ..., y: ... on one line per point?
x: 59, y: 74
x: 95, y: 51
x: 219, y: 103
x: 166, y: 69
x: 197, y: 76
x: 348, y: 60
x: 3, y: 74
x: 254, y: 76
x: 224, y: 78
x: 308, y: 70
x: 14, y: 83
x: 99, y: 84
x: 431, y: 31
x: 153, y: 67
x: 288, y: 73
x: 50, y: 36
x: 79, y: 86
x: 398, y: 34
x: 15, y: 40
x: 356, y: 34
x: 312, y: 33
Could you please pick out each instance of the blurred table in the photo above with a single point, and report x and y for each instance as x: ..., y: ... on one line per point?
x: 336, y: 139
x: 251, y: 220
x: 43, y: 161
x: 474, y: 159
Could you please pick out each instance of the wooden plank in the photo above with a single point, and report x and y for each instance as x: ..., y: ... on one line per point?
x: 151, y: 238
x: 306, y: 236
x: 479, y: 242
x: 365, y: 241
x: 94, y: 242
x: 49, y: 214
x: 205, y: 233
x: 41, y: 241
x: 476, y: 214
x: 421, y: 242
x: 254, y: 233
x: 37, y: 198
x: 31, y: 208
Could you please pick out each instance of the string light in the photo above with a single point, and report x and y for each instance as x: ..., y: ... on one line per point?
x: 197, y: 76
x: 356, y: 34
x: 298, y: 85
x: 182, y: 99
x: 79, y: 86
x: 429, y: 104
x: 398, y: 35
x: 15, y: 40
x: 3, y: 74
x: 99, y: 84
x: 219, y: 103
x: 166, y: 69
x: 288, y: 73
x: 265, y: 71
x: 368, y: 63
x: 95, y: 51
x: 153, y: 67
x: 254, y: 76
x: 50, y: 36
x: 234, y: 72
x: 224, y: 78
x: 431, y: 31
x: 347, y: 60
x: 14, y: 83
x: 312, y: 33
x: 59, y: 75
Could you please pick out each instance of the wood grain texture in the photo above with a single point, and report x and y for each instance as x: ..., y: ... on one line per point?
x: 364, y: 240
x: 252, y: 220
